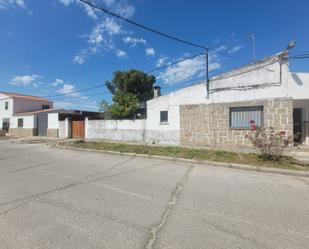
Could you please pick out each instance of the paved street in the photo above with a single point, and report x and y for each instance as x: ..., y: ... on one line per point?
x: 53, y: 198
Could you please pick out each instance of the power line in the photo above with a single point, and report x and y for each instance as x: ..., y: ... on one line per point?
x: 76, y: 97
x: 61, y: 94
x: 141, y: 25
x: 72, y: 92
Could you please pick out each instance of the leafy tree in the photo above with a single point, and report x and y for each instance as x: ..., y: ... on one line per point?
x: 131, y: 90
x: 105, y: 110
x: 125, y: 105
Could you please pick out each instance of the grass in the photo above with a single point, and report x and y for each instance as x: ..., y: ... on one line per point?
x: 196, y: 154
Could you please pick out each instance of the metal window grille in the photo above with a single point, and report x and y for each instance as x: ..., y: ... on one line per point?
x: 163, y: 116
x: 20, y: 123
x: 240, y: 117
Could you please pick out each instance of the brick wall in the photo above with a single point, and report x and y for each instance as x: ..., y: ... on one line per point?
x: 208, y: 125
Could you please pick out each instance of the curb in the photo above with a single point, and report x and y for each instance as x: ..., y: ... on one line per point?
x: 204, y: 162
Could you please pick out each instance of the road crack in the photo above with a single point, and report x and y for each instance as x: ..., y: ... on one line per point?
x: 174, y: 197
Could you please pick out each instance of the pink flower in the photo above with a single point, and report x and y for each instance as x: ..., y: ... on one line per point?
x: 282, y: 133
x: 252, y: 125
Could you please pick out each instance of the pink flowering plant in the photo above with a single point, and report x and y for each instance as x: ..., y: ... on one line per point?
x: 269, y: 143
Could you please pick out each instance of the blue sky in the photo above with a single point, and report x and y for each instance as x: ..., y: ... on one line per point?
x: 58, y: 46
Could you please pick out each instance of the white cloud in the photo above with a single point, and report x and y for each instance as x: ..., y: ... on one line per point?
x: 57, y: 82
x: 67, y: 2
x: 81, y: 57
x: 121, y: 7
x: 150, y: 51
x: 12, y: 3
x: 100, y: 38
x: 25, y: 80
x: 121, y: 53
x: 161, y: 61
x: 111, y: 26
x: 62, y: 104
x: 234, y: 49
x: 134, y: 41
x: 186, y: 70
x: 221, y: 48
x: 69, y: 90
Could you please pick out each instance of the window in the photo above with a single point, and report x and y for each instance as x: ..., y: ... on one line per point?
x: 20, y: 123
x: 240, y: 117
x: 44, y: 107
x: 163, y: 116
x: 6, y: 105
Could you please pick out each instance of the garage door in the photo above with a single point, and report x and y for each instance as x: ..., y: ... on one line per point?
x: 78, y: 129
x: 42, y: 124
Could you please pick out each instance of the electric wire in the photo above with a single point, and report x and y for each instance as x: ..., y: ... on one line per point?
x: 91, y: 4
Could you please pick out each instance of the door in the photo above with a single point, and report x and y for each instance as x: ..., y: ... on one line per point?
x: 6, y: 124
x: 297, y: 125
x: 42, y: 122
x: 78, y: 129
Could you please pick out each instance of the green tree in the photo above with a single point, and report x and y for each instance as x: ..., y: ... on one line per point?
x: 131, y: 90
x: 105, y: 110
x: 125, y: 105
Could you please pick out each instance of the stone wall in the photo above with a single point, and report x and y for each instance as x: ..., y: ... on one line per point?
x: 208, y: 125
x: 52, y: 132
x: 23, y: 132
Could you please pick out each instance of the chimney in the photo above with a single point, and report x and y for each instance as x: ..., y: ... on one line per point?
x: 156, y: 91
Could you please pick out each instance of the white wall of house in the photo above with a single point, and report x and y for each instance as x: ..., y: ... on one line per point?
x: 53, y: 120
x: 18, y: 105
x: 28, y: 123
x: 276, y: 79
x: 5, y: 114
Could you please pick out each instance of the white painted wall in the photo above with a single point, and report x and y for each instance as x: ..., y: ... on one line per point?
x: 29, y: 121
x: 286, y: 85
x: 53, y: 120
x: 121, y: 130
x: 128, y: 130
x: 17, y: 105
x: 4, y: 114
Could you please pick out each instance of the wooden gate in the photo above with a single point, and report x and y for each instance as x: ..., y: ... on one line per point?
x: 78, y: 129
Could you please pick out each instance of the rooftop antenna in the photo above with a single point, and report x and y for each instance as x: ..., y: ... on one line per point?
x: 252, y: 36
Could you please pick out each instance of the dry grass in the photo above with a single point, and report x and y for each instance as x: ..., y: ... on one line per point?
x: 197, y: 154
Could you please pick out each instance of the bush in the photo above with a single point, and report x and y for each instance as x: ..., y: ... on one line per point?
x: 268, y: 142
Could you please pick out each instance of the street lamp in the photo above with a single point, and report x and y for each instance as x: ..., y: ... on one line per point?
x: 290, y: 45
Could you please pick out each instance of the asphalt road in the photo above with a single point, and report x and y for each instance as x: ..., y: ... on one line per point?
x: 53, y: 198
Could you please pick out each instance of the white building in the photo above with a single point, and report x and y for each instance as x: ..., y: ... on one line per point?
x: 265, y: 91
x: 24, y: 115
x: 11, y: 104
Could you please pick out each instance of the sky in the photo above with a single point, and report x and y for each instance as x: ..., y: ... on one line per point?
x: 56, y: 47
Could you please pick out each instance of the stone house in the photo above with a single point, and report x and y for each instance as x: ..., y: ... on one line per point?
x: 266, y: 92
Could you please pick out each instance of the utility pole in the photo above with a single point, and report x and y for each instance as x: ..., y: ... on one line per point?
x: 252, y: 36
x: 207, y: 71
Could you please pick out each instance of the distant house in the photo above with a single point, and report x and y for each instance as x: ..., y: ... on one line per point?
x: 24, y: 115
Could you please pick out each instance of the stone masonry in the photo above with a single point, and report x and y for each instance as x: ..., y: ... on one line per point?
x: 23, y: 132
x: 208, y: 124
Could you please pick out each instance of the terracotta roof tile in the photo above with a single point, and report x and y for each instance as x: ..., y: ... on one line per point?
x: 22, y: 96
x: 35, y: 112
